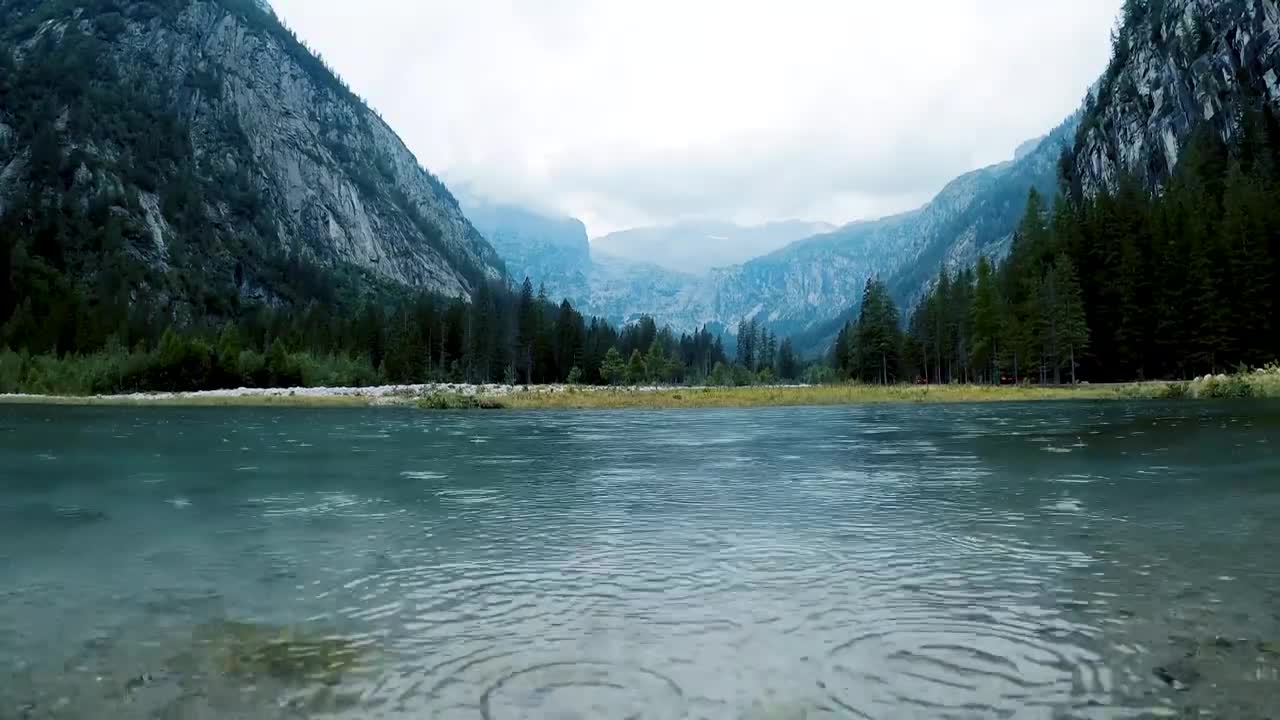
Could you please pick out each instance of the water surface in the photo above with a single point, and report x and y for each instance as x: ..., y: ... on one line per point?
x: 1031, y: 561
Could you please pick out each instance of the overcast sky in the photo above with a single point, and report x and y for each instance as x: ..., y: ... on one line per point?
x: 636, y: 112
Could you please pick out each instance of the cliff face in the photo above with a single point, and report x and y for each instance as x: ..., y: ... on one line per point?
x: 250, y: 148
x: 541, y: 247
x: 1177, y: 65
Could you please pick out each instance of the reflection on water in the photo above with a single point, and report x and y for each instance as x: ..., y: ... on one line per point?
x: 1047, y: 561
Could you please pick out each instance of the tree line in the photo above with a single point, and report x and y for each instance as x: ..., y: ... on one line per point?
x: 1123, y: 284
x: 499, y: 335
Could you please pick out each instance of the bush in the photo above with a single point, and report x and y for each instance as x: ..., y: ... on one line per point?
x: 336, y: 371
x: 11, y: 364
x: 1234, y: 387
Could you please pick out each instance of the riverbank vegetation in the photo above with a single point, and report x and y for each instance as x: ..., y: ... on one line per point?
x: 1259, y: 384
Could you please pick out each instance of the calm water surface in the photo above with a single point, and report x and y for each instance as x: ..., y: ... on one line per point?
x: 1038, y: 561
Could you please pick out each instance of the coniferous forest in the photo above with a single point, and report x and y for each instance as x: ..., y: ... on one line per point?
x: 1121, y: 285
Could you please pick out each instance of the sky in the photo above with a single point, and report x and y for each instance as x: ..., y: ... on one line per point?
x: 626, y: 113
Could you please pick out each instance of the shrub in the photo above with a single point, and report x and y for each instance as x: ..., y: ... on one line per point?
x: 1233, y: 387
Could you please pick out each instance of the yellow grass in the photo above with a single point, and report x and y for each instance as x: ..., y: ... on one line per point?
x: 768, y: 396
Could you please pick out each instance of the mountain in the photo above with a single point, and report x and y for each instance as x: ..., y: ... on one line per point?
x: 1176, y: 65
x: 195, y: 154
x: 810, y: 286
x: 553, y: 251
x: 535, y: 245
x: 695, y: 247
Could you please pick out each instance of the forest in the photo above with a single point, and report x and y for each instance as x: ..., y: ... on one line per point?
x: 501, y: 335
x: 1119, y: 286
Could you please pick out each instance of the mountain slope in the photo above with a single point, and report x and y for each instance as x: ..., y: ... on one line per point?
x: 807, y: 288
x: 1177, y: 65
x: 542, y: 247
x: 698, y: 246
x: 213, y: 158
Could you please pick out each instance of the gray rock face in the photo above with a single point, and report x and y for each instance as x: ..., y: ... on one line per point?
x: 339, y: 186
x: 1178, y: 67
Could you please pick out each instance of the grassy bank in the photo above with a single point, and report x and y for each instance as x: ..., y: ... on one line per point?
x: 771, y: 396
x: 1259, y: 384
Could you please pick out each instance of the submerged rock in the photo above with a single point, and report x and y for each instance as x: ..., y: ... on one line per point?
x: 288, y: 655
x: 1180, y: 674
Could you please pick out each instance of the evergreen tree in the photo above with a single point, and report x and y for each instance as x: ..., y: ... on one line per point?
x: 986, y: 324
x: 1069, y: 315
x: 613, y: 371
x: 527, y: 331
x: 636, y: 370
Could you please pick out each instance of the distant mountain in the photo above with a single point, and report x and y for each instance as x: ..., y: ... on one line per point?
x: 810, y: 286
x: 696, y: 247
x: 534, y: 245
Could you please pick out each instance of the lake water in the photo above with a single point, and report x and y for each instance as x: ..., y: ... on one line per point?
x: 1029, y: 561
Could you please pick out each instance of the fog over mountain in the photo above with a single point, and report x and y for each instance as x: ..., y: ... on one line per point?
x: 698, y: 246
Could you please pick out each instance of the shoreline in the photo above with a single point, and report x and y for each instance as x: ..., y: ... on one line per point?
x: 450, y: 396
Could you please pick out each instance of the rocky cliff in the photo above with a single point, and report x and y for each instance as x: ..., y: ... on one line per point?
x: 540, y: 246
x: 1177, y: 65
x: 221, y: 146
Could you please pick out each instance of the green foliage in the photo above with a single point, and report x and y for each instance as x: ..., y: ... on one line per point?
x: 613, y: 371
x: 1226, y: 387
x: 637, y: 373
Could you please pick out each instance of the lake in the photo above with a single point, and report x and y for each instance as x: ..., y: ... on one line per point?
x: 1091, y: 560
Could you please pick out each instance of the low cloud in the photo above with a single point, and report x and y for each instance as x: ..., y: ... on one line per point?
x: 627, y: 113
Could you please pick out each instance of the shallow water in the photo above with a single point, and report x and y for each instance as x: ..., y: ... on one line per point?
x: 1034, y: 561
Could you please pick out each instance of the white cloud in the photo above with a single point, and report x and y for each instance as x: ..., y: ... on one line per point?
x: 624, y: 112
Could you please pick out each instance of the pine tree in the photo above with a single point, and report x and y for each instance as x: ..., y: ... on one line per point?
x: 636, y: 370
x: 986, y: 323
x: 612, y: 370
x: 655, y: 363
x: 1069, y: 315
x: 527, y: 331
x: 876, y: 336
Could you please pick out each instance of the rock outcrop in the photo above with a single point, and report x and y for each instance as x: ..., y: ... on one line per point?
x: 1177, y: 65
